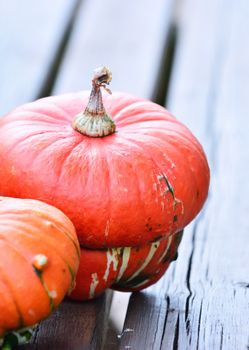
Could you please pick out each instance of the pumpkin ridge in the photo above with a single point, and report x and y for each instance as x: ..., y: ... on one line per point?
x: 147, y: 105
x: 109, y: 196
x: 20, y: 141
x: 171, y: 133
x: 68, y: 116
x: 29, y: 235
x: 128, y: 161
x: 199, y: 153
x: 179, y: 152
x: 35, y: 271
x: 57, y: 225
x: 145, y: 117
x: 127, y: 108
x: 47, y: 105
x: 74, y: 147
x: 156, y: 124
x: 35, y: 116
x: 44, y: 216
x: 182, y: 132
x: 4, y: 279
x: 162, y: 173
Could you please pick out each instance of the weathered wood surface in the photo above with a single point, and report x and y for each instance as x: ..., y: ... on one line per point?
x: 63, y: 41
x: 129, y: 36
x: 30, y: 38
x: 203, y: 301
x: 73, y: 326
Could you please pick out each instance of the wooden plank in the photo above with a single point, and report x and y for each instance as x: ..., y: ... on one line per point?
x: 73, y: 326
x: 31, y: 40
x: 203, y: 301
x: 30, y: 36
x: 131, y: 37
x: 128, y: 36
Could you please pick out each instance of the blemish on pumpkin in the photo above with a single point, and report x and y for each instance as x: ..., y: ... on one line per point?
x: 154, y: 187
x: 197, y: 193
x: 49, y: 224
x: 39, y: 262
x: 107, y: 227
x: 31, y: 312
x: 175, y: 218
x: 93, y: 285
x: 13, y: 170
x: 157, y: 238
x: 52, y: 294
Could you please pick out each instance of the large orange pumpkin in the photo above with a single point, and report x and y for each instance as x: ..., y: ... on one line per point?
x: 128, y: 180
x: 38, y: 263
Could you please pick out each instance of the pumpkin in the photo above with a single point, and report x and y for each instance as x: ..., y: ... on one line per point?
x: 38, y: 263
x: 124, y: 170
x: 124, y: 269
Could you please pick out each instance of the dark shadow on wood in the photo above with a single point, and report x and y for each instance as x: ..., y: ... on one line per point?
x: 52, y: 73
x: 73, y: 326
x: 165, y: 67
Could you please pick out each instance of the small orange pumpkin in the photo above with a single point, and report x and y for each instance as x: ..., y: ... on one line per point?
x: 38, y: 263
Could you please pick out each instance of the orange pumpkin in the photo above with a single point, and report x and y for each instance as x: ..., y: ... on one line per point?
x: 126, y: 178
x: 124, y: 269
x: 38, y: 263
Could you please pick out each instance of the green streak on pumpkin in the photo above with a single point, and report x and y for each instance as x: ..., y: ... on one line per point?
x: 39, y: 274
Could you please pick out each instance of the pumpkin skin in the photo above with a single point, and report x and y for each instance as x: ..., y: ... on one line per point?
x: 149, y: 179
x: 31, y: 287
x: 142, y: 184
x: 127, y: 269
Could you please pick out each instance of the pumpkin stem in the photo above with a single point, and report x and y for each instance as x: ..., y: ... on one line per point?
x: 94, y: 121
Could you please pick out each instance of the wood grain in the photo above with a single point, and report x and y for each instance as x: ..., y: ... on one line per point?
x: 30, y: 36
x: 128, y: 36
x: 203, y: 301
x: 73, y: 326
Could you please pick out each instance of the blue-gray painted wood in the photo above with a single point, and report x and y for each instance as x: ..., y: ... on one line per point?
x: 128, y: 36
x: 30, y: 35
x: 203, y: 300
